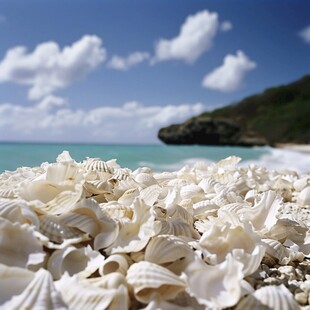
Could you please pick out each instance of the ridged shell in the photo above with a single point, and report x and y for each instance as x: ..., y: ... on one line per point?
x: 17, y: 211
x: 56, y: 230
x: 285, y: 255
x: 135, y: 234
x: 37, y: 292
x: 193, y: 192
x: 83, y: 261
x: 178, y: 228
x: 84, y: 294
x: 147, y: 278
x: 115, y: 263
x: 18, y: 245
x: 269, y: 297
x: 145, y: 179
x: 150, y: 194
x: 209, y: 284
x: 164, y: 249
x: 98, y: 165
x: 116, y: 210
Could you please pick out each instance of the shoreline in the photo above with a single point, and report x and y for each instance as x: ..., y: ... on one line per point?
x: 301, y: 148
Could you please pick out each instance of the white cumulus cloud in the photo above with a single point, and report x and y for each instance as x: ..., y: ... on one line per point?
x: 53, y: 120
x: 305, y: 34
x: 123, y: 64
x: 230, y: 75
x: 48, y: 68
x: 195, y: 37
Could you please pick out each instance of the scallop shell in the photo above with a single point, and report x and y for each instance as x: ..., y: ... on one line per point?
x: 30, y: 290
x: 285, y: 255
x: 165, y: 249
x: 85, y: 294
x: 18, y: 245
x: 98, y: 165
x: 83, y: 261
x: 135, y: 234
x: 145, y: 179
x: 17, y: 211
x: 116, y: 210
x: 57, y: 231
x: 217, y: 286
x: 193, y: 192
x: 115, y: 263
x: 178, y: 228
x: 269, y: 297
x: 148, y: 279
x: 150, y: 194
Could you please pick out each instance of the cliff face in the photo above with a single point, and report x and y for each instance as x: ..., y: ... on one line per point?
x: 278, y: 115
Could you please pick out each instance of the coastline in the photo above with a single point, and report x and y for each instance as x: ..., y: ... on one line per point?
x: 302, y: 148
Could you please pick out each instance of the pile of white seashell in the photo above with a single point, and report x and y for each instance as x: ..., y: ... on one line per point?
x: 93, y: 235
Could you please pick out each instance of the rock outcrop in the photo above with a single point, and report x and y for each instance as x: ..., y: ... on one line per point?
x: 278, y: 115
x: 208, y: 131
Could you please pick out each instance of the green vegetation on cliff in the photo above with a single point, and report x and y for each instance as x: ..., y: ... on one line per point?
x: 278, y: 115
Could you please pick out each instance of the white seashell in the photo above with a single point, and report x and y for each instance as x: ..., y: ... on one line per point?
x: 178, y: 228
x: 64, y: 173
x: 65, y: 157
x: 117, y: 285
x: 204, y: 208
x: 263, y: 214
x: 269, y: 297
x: 300, y: 184
x: 165, y: 249
x: 135, y: 234
x: 87, y: 216
x: 57, y: 231
x: 83, y: 261
x: 21, y: 289
x: 304, y: 196
x: 17, y: 211
x: 179, y: 213
x: 97, y: 187
x: 220, y: 239
x: 128, y: 197
x: 98, y: 165
x: 145, y: 179
x: 283, y: 254
x: 193, y: 192
x: 250, y: 261
x: 7, y: 193
x: 109, y: 281
x: 150, y: 194
x: 217, y: 286
x: 115, y: 263
x: 18, y: 245
x: 115, y: 210
x: 121, y: 174
x: 148, y: 279
x: 87, y: 294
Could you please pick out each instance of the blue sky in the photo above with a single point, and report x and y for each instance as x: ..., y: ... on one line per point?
x: 116, y: 71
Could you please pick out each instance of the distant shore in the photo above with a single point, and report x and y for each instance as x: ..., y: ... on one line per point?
x: 303, y: 148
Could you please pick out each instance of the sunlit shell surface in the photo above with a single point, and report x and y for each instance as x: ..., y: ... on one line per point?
x: 94, y: 235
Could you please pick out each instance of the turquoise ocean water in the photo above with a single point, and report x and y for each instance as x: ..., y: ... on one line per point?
x: 157, y: 157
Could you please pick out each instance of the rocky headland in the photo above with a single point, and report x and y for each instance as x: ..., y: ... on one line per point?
x: 279, y: 115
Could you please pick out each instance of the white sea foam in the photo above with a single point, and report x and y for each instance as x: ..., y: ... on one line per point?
x: 273, y: 159
x: 279, y: 159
